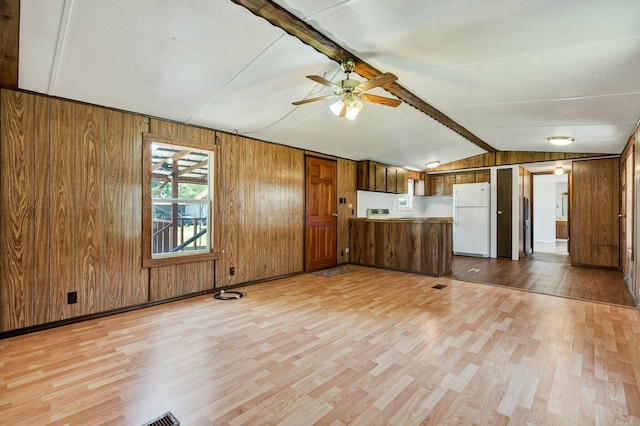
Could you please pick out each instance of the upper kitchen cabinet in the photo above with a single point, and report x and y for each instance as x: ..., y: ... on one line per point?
x: 373, y: 176
x: 402, y: 181
x: 442, y: 184
x: 465, y: 178
x: 482, y: 176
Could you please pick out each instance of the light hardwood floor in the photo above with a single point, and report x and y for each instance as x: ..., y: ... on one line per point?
x: 367, y: 347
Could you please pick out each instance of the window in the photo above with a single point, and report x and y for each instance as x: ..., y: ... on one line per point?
x: 178, y: 220
x: 405, y: 201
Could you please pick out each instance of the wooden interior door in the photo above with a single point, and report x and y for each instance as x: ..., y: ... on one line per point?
x: 320, y: 214
x: 504, y: 213
x: 595, y: 203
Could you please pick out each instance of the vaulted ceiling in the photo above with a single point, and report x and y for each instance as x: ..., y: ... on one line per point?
x: 475, y: 75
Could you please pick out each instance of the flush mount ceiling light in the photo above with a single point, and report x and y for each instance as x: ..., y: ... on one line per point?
x: 432, y: 164
x: 559, y: 171
x: 351, y: 92
x: 560, y: 140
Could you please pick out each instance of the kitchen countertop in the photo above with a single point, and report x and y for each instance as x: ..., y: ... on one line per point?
x: 410, y: 219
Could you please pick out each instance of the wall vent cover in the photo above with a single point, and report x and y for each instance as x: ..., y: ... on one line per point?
x: 439, y: 286
x: 167, y: 419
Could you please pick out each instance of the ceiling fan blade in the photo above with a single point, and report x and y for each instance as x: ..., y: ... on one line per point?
x: 322, y: 81
x: 380, y: 80
x: 380, y: 100
x: 321, y: 98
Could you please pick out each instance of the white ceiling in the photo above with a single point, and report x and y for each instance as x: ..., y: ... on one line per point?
x: 512, y: 73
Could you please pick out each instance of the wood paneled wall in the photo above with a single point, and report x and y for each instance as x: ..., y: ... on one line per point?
x: 261, y: 210
x: 69, y: 217
x: 347, y: 176
x: 71, y: 206
x: 506, y: 158
x: 595, y: 203
x: 9, y: 37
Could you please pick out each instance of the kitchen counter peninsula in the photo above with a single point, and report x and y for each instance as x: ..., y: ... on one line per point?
x: 422, y: 245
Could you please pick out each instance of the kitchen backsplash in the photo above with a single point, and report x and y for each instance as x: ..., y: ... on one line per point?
x: 436, y: 206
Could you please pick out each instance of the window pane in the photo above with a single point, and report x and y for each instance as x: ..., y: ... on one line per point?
x: 180, y: 227
x: 180, y: 200
x: 179, y: 173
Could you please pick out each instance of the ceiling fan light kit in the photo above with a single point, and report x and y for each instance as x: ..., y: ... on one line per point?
x: 351, y: 92
x: 560, y: 140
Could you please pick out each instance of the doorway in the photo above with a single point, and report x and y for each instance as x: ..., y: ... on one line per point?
x: 551, y: 213
x: 320, y: 214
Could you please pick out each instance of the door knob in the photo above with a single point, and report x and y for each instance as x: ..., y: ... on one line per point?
x: 499, y: 211
x: 622, y: 215
x: 334, y: 214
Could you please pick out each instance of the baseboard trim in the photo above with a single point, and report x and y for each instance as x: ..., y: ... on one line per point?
x: 74, y: 320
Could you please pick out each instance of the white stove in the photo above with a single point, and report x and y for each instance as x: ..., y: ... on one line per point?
x: 377, y: 213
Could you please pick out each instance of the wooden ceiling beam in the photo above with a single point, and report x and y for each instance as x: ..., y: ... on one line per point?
x: 291, y: 24
x: 9, y: 35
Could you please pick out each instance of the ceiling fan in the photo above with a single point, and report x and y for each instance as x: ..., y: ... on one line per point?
x: 351, y: 92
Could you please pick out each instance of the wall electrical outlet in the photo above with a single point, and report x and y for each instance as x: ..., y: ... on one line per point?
x: 346, y: 250
x: 232, y: 271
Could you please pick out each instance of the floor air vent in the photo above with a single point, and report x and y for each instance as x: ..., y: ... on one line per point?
x: 166, y: 419
x: 439, y: 286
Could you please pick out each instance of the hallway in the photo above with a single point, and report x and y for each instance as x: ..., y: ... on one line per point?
x: 546, y: 273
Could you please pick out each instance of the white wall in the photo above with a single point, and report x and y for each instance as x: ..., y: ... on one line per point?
x: 438, y: 206
x: 381, y: 200
x: 545, y: 202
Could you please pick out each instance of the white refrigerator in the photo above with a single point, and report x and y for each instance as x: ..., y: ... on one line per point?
x: 471, y: 219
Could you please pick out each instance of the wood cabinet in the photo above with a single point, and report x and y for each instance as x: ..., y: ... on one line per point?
x: 482, y: 176
x: 421, y: 245
x: 442, y: 184
x: 562, y: 229
x: 378, y: 177
x: 449, y: 180
x: 392, y: 180
x: 436, y: 185
x: 402, y: 180
x: 467, y: 177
